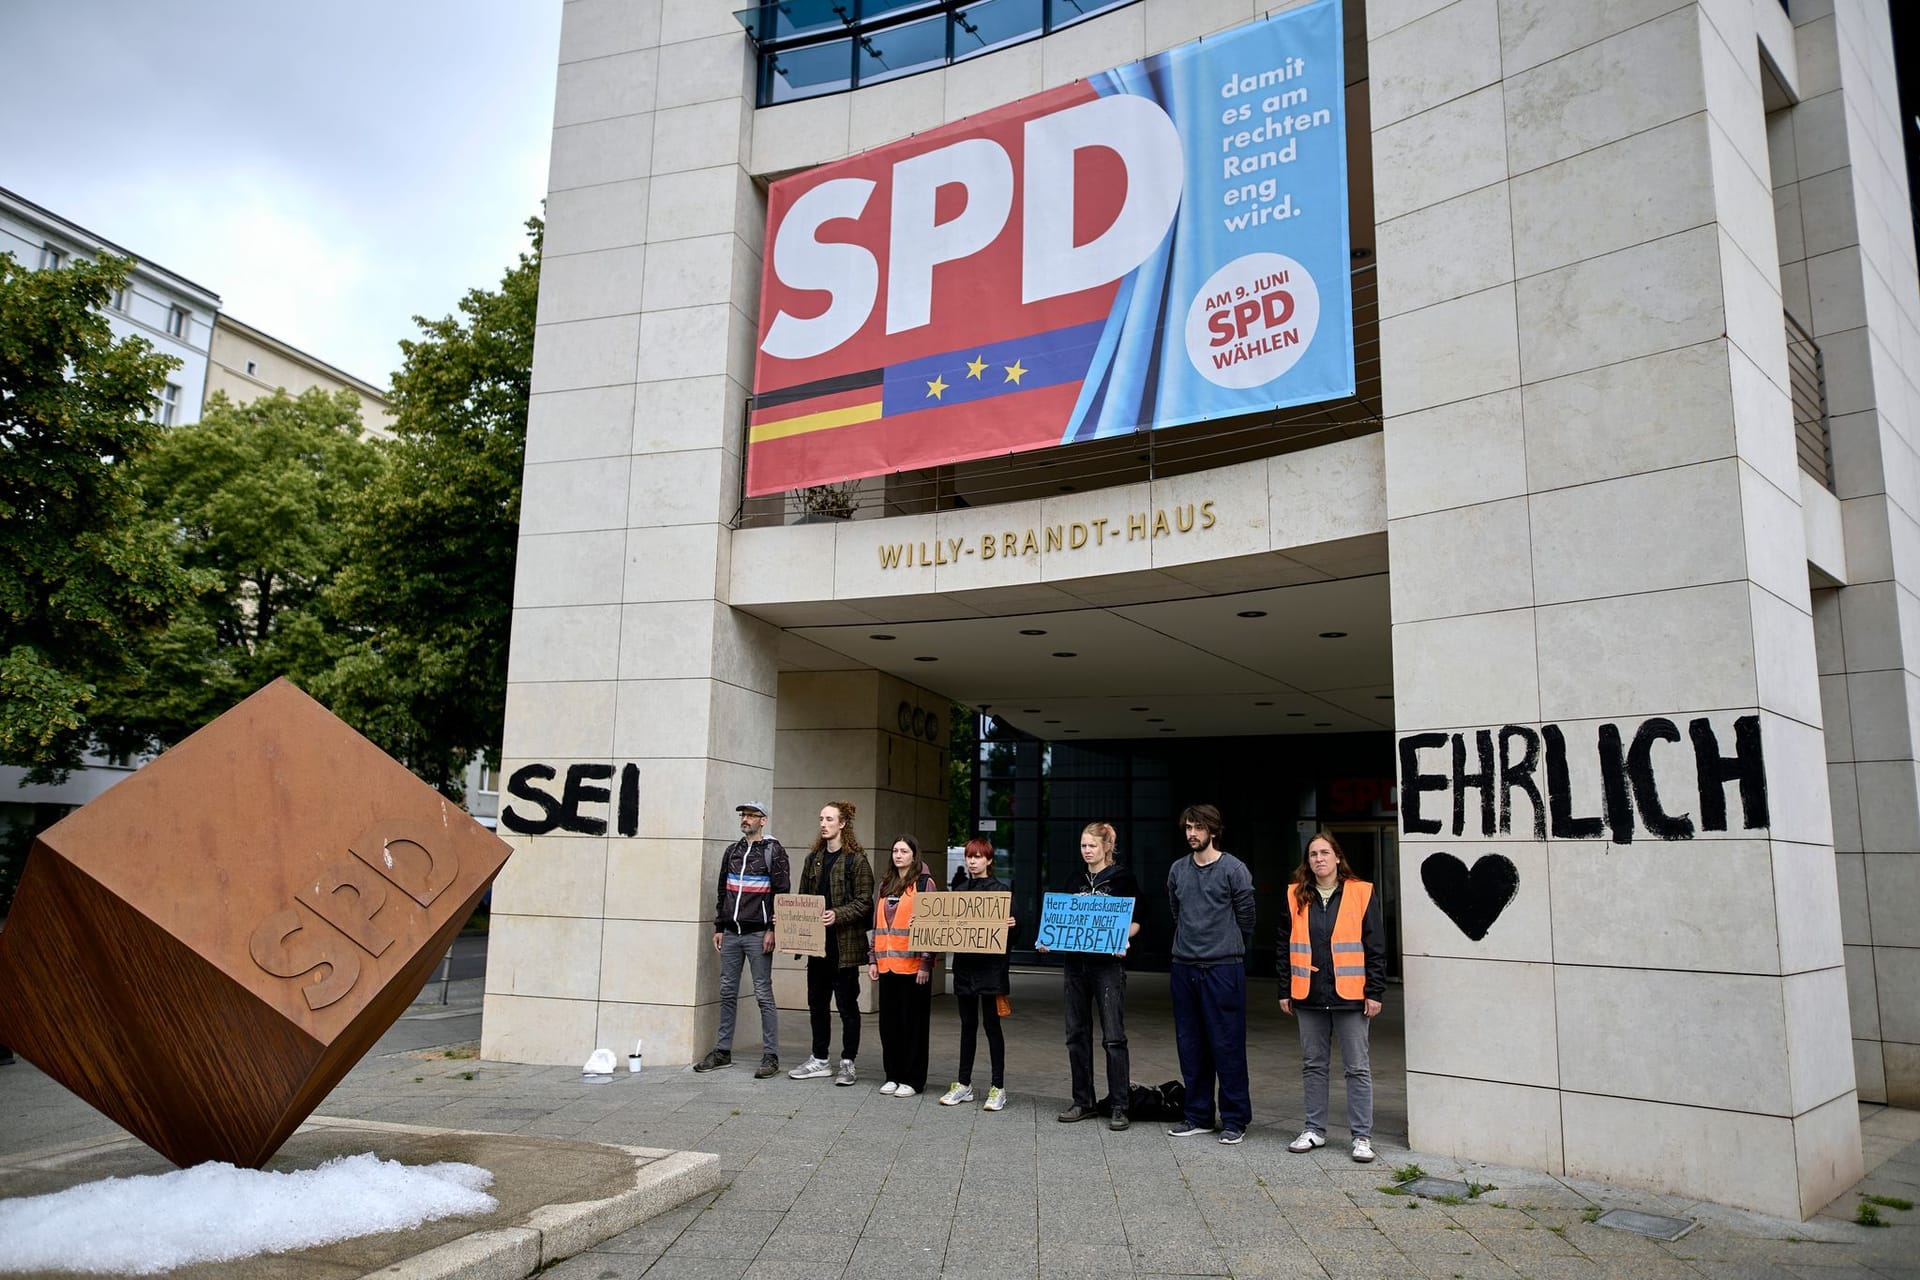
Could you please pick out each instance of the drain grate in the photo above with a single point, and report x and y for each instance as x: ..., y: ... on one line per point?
x: 1435, y: 1187
x: 1651, y: 1225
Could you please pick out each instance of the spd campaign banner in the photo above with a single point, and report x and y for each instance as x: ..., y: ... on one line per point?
x: 1159, y: 244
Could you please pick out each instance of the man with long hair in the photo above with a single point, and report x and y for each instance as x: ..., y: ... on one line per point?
x: 837, y: 869
x: 1210, y: 893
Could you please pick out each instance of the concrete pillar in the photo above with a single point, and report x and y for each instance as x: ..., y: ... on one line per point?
x: 1594, y: 521
x: 1847, y: 274
x: 625, y: 652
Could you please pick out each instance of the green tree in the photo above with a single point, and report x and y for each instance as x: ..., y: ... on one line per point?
x: 963, y: 743
x: 429, y: 584
x: 257, y: 497
x: 85, y: 571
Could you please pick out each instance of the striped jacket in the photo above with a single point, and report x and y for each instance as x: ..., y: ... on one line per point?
x: 751, y: 872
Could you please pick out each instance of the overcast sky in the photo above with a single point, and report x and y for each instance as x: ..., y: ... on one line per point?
x: 330, y: 168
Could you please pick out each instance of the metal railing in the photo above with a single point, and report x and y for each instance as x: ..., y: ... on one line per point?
x: 1097, y: 464
x: 1807, y: 384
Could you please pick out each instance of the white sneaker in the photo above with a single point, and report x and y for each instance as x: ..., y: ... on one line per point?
x: 811, y: 1069
x: 1307, y: 1141
x: 958, y: 1094
x: 889, y: 1087
x: 846, y: 1074
x: 996, y: 1100
x: 904, y: 1091
x: 1363, y: 1150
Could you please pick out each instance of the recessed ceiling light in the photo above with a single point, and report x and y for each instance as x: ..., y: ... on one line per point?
x: 1156, y: 719
x: 1139, y: 708
x: 1296, y: 713
x: 1032, y: 631
x: 1383, y: 697
x: 1263, y: 704
x: 924, y: 658
x: 1066, y: 488
x: 1029, y: 711
x: 1333, y: 635
x: 1251, y: 613
x: 1065, y: 653
x: 1069, y: 731
x: 1323, y: 724
x: 1049, y: 722
x: 1169, y: 731
x: 881, y: 636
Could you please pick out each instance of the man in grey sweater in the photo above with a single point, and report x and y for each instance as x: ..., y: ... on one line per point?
x: 1211, y: 896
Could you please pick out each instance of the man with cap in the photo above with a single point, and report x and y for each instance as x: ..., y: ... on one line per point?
x: 752, y: 870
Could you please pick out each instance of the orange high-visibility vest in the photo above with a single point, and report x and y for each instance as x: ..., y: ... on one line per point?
x: 890, y: 950
x: 1349, y: 949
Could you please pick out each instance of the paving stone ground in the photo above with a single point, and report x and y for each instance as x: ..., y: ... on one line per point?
x: 845, y: 1182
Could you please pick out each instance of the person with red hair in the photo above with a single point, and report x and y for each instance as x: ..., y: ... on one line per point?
x: 980, y: 984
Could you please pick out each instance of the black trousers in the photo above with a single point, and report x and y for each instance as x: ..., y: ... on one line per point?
x: 905, y: 1006
x: 829, y: 984
x: 1097, y: 981
x: 972, y: 1010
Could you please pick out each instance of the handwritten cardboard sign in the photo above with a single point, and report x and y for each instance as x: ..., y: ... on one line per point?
x: 796, y: 923
x: 1085, y: 922
x: 960, y: 921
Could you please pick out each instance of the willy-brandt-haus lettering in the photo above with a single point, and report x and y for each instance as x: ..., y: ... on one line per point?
x: 1477, y: 430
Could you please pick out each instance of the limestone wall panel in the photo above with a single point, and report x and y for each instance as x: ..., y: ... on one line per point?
x: 1733, y: 1061
x: 1447, y: 1115
x: 1701, y: 921
x: 1733, y: 1157
x: 1455, y: 455
x: 1509, y: 1006
x: 565, y: 426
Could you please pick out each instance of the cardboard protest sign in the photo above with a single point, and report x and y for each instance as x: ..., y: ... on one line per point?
x: 796, y: 923
x: 1085, y: 922
x: 974, y: 922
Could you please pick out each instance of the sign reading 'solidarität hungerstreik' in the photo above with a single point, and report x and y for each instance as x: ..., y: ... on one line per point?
x: 1155, y: 245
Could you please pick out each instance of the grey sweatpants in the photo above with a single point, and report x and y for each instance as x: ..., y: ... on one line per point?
x: 1316, y: 1044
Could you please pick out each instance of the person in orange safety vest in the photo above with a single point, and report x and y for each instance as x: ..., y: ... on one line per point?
x: 1336, y: 973
x: 901, y: 976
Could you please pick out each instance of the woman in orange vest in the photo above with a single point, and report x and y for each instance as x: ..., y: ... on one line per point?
x: 902, y: 976
x: 1336, y: 974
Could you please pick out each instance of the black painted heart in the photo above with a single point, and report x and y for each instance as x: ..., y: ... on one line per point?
x: 1474, y: 899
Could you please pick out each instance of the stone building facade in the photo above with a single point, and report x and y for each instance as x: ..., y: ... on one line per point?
x: 1620, y: 614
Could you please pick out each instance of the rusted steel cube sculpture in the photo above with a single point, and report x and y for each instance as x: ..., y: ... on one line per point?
x: 206, y: 949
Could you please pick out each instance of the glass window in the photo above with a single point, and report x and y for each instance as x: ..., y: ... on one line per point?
x: 1068, y: 12
x: 52, y: 257
x: 993, y: 23
x: 903, y: 50
x: 872, y: 11
x: 789, y: 19
x: 169, y: 404
x: 118, y: 302
x: 807, y: 72
x: 177, y: 321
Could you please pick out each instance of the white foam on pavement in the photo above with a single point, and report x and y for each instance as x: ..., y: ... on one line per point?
x: 217, y: 1213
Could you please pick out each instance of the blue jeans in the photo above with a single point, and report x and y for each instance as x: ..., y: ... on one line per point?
x: 736, y: 948
x: 1210, y: 1030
